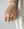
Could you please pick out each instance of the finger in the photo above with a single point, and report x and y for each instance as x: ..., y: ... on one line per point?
x: 7, y: 17
x: 14, y: 18
x: 11, y: 17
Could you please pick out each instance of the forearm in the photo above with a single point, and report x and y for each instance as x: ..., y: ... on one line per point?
x: 11, y: 1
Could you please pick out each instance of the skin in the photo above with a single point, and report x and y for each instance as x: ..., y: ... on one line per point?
x: 11, y: 11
